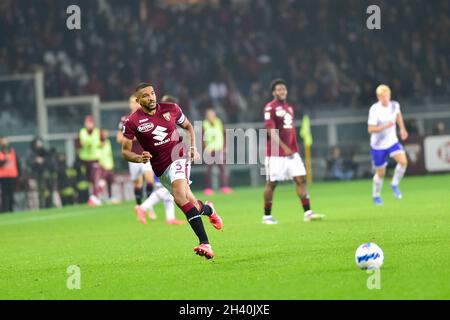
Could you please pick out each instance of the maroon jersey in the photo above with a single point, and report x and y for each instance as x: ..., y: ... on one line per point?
x: 280, y: 115
x: 136, y: 148
x: 157, y: 134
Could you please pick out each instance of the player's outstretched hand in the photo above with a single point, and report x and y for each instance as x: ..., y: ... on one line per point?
x: 145, y: 157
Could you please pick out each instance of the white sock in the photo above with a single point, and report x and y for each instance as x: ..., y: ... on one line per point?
x: 170, y: 208
x: 377, y: 186
x: 148, y: 204
x: 398, y: 174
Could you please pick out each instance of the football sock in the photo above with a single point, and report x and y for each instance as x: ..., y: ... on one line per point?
x: 195, y: 220
x: 205, y: 209
x: 170, y: 209
x: 398, y: 174
x: 138, y: 195
x: 306, y: 203
x: 377, y: 185
x: 149, y: 189
x: 268, y: 208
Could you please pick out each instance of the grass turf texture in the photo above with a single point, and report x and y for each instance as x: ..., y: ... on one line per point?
x: 123, y: 259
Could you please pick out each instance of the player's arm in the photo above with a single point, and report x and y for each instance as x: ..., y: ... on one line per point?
x: 130, y: 156
x: 274, y: 136
x: 376, y: 129
x: 119, y: 137
x: 401, y: 125
x: 189, y: 128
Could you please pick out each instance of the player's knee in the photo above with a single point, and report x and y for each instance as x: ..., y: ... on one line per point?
x: 300, y: 181
x: 381, y: 174
x: 271, y: 185
x: 180, y: 198
x: 403, y: 163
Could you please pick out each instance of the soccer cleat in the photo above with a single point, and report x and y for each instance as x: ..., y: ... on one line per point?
x: 94, y: 201
x: 208, y: 192
x: 269, y: 220
x: 377, y: 201
x: 152, y: 215
x: 204, y: 250
x: 215, y: 220
x: 397, y: 194
x: 140, y: 214
x: 226, y: 190
x: 312, y: 216
x: 175, y: 222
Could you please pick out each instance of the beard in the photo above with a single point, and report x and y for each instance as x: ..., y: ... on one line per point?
x: 150, y: 106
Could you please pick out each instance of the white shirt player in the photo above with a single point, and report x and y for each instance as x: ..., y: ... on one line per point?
x: 380, y: 115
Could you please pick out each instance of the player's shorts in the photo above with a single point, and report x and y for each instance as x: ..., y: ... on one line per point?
x: 379, y: 157
x: 284, y: 168
x: 179, y: 169
x: 138, y: 169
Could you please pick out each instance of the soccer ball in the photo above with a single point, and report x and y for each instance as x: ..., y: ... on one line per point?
x: 369, y: 256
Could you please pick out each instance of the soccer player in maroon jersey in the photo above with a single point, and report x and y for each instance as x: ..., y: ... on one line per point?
x: 283, y: 161
x: 155, y: 127
x: 137, y: 170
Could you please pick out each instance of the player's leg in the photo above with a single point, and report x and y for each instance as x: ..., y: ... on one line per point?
x: 296, y: 170
x: 169, y: 206
x: 269, y: 190
x: 136, y: 176
x: 176, y: 180
x: 180, y: 193
x: 148, y: 206
x: 274, y: 169
x: 302, y: 192
x: 224, y: 181
x: 94, y: 175
x: 378, y: 185
x: 207, y: 209
x: 208, y: 181
x: 400, y: 169
x: 149, y: 177
x: 380, y: 163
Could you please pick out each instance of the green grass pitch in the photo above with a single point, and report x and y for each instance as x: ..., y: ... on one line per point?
x: 120, y: 258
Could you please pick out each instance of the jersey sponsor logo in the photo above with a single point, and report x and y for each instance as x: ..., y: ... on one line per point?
x: 146, y: 127
x: 159, y: 133
x: 267, y: 116
x: 143, y: 120
x: 167, y: 116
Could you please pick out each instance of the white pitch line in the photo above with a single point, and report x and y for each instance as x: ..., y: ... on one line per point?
x: 45, y: 218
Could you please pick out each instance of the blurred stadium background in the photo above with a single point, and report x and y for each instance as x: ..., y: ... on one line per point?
x: 223, y: 54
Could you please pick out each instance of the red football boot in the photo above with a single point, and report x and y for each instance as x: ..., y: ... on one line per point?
x: 215, y: 220
x: 204, y: 250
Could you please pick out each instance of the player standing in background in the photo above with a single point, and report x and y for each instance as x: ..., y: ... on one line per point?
x: 154, y: 125
x: 106, y: 162
x: 283, y: 162
x: 383, y: 117
x: 137, y: 170
x: 89, y: 153
x: 214, y: 141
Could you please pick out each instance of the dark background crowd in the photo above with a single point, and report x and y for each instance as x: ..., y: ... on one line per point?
x: 225, y: 53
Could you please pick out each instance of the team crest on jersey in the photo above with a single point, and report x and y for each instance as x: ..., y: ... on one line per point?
x: 167, y: 116
x: 146, y: 127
